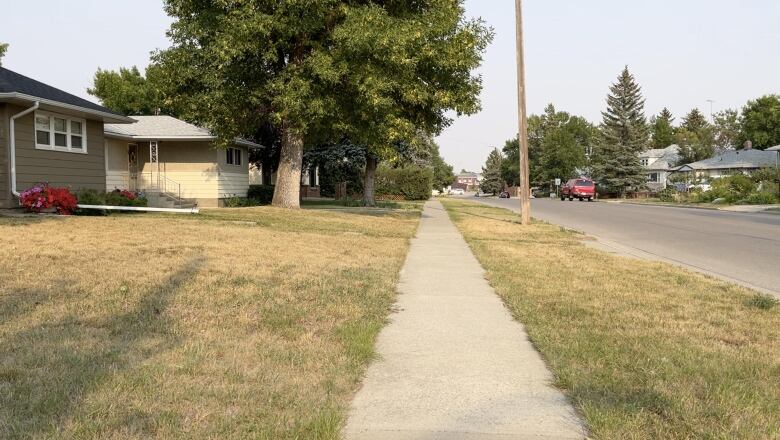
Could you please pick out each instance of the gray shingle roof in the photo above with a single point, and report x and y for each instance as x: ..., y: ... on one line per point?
x: 14, y: 83
x: 736, y: 159
x: 158, y: 127
x: 163, y: 128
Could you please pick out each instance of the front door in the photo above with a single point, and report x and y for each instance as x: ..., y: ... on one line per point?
x: 132, y: 167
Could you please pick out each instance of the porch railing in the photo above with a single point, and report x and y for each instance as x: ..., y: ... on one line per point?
x: 168, y: 186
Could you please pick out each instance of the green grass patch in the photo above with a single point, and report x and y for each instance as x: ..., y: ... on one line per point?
x: 645, y: 350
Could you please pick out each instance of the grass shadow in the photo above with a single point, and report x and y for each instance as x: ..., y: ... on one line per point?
x: 47, y: 371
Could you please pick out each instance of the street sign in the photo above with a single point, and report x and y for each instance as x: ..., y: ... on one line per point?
x: 557, y: 182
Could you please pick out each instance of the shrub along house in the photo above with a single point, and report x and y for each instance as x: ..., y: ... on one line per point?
x: 48, y: 135
x: 174, y: 163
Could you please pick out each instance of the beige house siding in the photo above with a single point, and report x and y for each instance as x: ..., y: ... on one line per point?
x: 233, y: 179
x: 5, y: 178
x: 76, y: 171
x: 198, y: 167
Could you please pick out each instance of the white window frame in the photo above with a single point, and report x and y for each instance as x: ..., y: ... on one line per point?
x: 68, y: 134
x: 235, y: 151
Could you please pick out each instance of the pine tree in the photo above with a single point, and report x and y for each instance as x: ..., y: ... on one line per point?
x: 694, y: 121
x: 662, y: 128
x: 491, y: 173
x: 624, y: 134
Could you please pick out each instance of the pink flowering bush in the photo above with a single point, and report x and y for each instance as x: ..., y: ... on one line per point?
x: 42, y: 196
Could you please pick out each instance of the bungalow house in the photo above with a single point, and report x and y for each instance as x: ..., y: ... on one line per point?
x: 175, y: 163
x: 728, y: 163
x: 48, y: 135
x: 658, y: 164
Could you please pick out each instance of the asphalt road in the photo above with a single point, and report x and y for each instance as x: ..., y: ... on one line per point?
x: 739, y: 247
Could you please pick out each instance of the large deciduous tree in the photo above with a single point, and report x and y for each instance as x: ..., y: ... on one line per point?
x: 373, y: 72
x: 761, y: 122
x: 624, y: 134
x: 127, y: 91
x: 491, y: 173
x: 728, y: 129
x: 662, y: 128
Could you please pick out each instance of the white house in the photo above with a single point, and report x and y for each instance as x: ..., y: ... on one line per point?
x: 659, y: 165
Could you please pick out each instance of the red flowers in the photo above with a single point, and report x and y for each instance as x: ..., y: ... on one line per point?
x: 127, y: 194
x: 42, y: 196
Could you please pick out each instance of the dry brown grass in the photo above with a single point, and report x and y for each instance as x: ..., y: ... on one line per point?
x: 250, y: 323
x: 645, y: 350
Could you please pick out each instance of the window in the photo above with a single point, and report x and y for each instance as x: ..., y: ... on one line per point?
x: 652, y: 177
x: 233, y: 156
x: 645, y: 162
x: 59, y: 133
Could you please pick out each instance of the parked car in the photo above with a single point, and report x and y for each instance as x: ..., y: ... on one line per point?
x: 503, y: 195
x: 582, y: 189
x: 457, y: 192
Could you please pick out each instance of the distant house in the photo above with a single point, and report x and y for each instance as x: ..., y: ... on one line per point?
x: 467, y: 181
x: 48, y: 135
x: 658, y: 164
x: 730, y: 162
x: 174, y: 162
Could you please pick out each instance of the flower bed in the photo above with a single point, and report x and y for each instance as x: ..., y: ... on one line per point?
x: 42, y: 197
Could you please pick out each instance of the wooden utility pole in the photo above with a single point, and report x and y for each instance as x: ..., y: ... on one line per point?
x: 525, y: 184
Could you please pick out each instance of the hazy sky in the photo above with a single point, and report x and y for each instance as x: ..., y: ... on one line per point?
x: 682, y: 52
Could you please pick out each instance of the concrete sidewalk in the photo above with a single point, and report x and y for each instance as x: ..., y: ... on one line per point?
x: 453, y: 363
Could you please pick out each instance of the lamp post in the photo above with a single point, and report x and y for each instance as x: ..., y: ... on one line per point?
x: 525, y: 193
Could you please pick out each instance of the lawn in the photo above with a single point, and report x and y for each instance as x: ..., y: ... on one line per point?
x: 644, y: 350
x: 240, y: 323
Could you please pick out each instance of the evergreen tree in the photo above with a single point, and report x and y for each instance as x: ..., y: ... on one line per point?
x: 624, y: 134
x: 491, y: 173
x: 3, y: 49
x: 696, y: 138
x: 662, y: 128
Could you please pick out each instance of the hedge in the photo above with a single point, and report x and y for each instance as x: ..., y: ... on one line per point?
x: 262, y: 194
x: 411, y: 183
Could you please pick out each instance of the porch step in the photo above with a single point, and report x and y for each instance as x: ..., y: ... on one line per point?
x: 161, y: 200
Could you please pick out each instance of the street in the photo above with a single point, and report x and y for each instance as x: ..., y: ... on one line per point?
x: 739, y: 247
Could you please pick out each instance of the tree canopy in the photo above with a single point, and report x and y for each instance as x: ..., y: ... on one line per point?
x: 129, y: 92
x: 696, y: 138
x: 3, y: 49
x: 761, y: 122
x: 374, y: 72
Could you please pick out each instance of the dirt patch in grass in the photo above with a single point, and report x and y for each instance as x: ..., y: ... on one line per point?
x: 645, y: 350
x: 239, y: 323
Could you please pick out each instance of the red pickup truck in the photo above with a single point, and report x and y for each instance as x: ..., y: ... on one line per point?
x: 583, y: 189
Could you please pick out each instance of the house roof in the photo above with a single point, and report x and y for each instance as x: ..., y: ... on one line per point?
x: 161, y: 128
x: 733, y: 160
x: 775, y: 148
x: 666, y: 158
x: 19, y: 87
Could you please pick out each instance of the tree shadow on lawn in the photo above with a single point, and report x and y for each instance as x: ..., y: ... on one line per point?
x: 48, y: 370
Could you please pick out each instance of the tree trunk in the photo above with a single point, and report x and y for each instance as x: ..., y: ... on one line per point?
x: 287, y: 193
x: 368, y: 183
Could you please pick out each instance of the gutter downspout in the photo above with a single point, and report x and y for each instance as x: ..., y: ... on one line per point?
x: 12, y: 144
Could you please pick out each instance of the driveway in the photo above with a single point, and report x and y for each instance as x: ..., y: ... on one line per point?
x: 739, y: 247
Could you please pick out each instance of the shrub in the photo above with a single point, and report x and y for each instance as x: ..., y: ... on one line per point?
x: 760, y: 198
x: 668, y: 194
x: 42, y: 196
x: 113, y: 198
x: 411, y: 183
x: 261, y: 194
